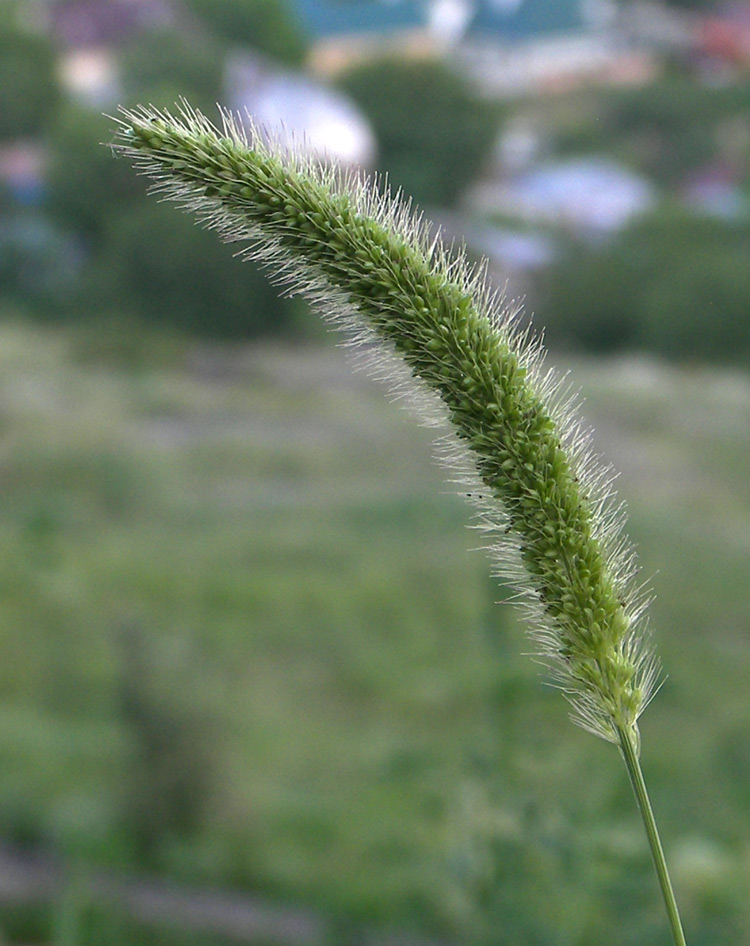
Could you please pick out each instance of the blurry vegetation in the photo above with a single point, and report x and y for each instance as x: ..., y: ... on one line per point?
x: 38, y: 264
x: 160, y: 67
x: 78, y: 918
x: 275, y: 542
x: 169, y: 272
x: 29, y: 92
x: 673, y: 283
x: 378, y: 745
x: 665, y: 129
x: 87, y: 189
x: 171, y: 768
x: 96, y: 247
x: 434, y: 133
x: 139, y: 259
x: 267, y: 26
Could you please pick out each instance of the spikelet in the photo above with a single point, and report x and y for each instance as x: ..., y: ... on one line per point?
x: 369, y: 263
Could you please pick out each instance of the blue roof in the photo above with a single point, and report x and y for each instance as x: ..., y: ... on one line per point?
x: 343, y: 17
x: 511, y: 19
x: 521, y: 19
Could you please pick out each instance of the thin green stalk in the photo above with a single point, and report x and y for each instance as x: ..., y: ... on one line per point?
x: 632, y: 762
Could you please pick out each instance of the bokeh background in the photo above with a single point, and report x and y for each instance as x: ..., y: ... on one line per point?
x: 254, y: 688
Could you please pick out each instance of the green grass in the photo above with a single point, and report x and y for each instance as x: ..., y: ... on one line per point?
x: 256, y: 547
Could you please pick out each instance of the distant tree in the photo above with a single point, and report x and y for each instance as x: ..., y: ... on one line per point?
x: 673, y: 283
x: 37, y: 261
x: 162, y: 66
x: 29, y: 89
x: 141, y: 260
x: 672, y: 126
x: 699, y: 308
x: 586, y: 302
x: 160, y: 267
x: 87, y: 188
x: 269, y: 26
x: 433, y: 131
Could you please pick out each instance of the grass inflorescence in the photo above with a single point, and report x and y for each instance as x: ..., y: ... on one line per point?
x: 365, y: 259
x: 367, y: 262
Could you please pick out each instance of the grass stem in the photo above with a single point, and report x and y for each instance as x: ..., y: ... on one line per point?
x: 632, y: 762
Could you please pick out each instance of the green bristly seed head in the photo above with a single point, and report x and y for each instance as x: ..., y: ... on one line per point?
x: 365, y: 261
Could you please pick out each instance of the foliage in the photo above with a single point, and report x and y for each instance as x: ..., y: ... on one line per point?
x: 434, y: 133
x: 383, y: 749
x: 168, y: 272
x: 136, y: 261
x: 672, y: 283
x: 667, y: 129
x: 161, y: 66
x: 29, y: 90
x: 169, y: 776
x: 85, y: 191
x: 38, y: 265
x: 82, y: 918
x: 268, y: 26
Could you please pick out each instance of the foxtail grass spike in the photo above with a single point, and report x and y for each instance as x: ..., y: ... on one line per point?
x: 369, y: 263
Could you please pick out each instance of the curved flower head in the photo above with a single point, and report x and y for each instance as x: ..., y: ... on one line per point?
x: 367, y: 262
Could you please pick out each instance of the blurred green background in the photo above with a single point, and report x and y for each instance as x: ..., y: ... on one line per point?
x: 254, y: 689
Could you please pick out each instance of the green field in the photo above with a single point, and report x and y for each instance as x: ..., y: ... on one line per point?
x: 244, y: 645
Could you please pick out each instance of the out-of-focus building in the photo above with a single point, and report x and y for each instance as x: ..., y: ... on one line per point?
x: 299, y: 112
x: 89, y: 32
x: 91, y: 76
x: 78, y: 24
x: 507, y: 47
x: 592, y: 196
x: 517, y: 47
x: 22, y: 167
x: 722, y: 36
x: 293, y: 106
x: 343, y: 34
